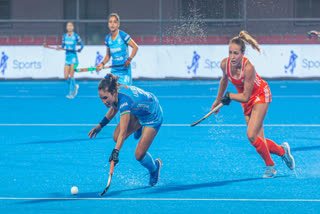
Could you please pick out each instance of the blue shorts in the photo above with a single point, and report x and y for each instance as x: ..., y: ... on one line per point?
x: 154, y: 119
x: 71, y: 59
x: 124, y: 75
x: 124, y: 78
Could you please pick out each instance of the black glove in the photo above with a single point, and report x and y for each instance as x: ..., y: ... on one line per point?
x: 79, y: 50
x: 114, y: 156
x: 225, y: 100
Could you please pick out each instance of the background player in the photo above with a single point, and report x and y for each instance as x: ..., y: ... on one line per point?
x: 117, y: 43
x: 69, y: 42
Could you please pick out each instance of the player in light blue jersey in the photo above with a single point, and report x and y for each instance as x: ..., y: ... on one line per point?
x: 137, y: 108
x: 117, y: 43
x: 69, y: 42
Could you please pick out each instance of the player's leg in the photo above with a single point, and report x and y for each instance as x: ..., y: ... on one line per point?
x: 145, y: 157
x: 272, y: 146
x: 255, y: 124
x: 133, y: 126
x: 283, y: 150
x: 66, y: 77
x: 75, y: 87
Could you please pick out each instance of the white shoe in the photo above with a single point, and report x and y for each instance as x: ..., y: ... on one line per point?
x: 70, y: 96
x: 270, y: 172
x: 76, y: 90
x: 287, y: 157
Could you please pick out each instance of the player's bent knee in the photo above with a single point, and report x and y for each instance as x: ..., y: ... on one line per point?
x: 252, y: 136
x: 139, y: 155
x: 115, y: 136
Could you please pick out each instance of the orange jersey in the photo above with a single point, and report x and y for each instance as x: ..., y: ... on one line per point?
x: 260, y: 93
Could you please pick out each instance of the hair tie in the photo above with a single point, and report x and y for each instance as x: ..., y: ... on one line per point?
x: 107, y: 77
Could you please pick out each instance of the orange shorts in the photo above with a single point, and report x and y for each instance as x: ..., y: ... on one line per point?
x: 263, y: 95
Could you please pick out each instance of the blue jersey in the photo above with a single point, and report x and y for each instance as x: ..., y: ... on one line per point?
x: 144, y: 105
x: 119, y: 52
x: 69, y: 43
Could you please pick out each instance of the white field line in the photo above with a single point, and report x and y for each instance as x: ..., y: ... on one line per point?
x: 170, y: 199
x: 166, y: 125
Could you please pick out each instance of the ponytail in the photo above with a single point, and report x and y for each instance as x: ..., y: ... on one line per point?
x: 109, y: 83
x: 243, y: 38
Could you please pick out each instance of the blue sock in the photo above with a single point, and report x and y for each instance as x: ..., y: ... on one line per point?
x: 148, y: 163
x: 72, y: 85
x: 68, y: 84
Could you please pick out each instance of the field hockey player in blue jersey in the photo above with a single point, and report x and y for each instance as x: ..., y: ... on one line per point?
x: 117, y: 43
x: 137, y: 108
x: 69, y: 43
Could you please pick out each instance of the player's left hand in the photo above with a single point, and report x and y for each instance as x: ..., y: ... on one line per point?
x: 127, y: 63
x: 93, y: 133
x: 114, y: 156
x: 79, y: 50
x: 225, y: 100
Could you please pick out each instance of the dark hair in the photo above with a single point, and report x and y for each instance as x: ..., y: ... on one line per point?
x: 109, y: 83
x: 114, y: 15
x: 244, y: 38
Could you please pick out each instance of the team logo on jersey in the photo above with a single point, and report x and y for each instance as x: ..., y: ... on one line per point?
x: 123, y: 105
x: 141, y: 105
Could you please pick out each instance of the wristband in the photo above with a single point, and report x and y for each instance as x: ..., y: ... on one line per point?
x: 104, y: 122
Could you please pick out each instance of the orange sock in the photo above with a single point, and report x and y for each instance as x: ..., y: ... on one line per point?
x: 275, y: 148
x: 263, y: 151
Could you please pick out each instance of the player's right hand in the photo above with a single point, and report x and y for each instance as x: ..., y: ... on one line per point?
x: 93, y: 133
x: 216, y: 103
x: 99, y: 67
x: 226, y: 99
x: 59, y: 48
x: 114, y: 156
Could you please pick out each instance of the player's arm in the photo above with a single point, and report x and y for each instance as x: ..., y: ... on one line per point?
x: 81, y: 45
x: 223, y: 84
x: 105, y: 60
x: 135, y: 48
x: 63, y: 45
x: 109, y: 116
x: 124, y: 122
x: 249, y: 78
x: 111, y: 113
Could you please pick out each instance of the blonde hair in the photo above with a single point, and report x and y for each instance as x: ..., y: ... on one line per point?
x: 243, y: 38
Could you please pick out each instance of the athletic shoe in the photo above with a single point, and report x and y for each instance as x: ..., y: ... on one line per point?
x: 287, y: 157
x: 154, y: 176
x: 76, y: 90
x: 270, y: 172
x: 70, y: 96
x: 137, y: 134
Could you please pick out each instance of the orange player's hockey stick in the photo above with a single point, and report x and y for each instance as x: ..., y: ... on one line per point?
x: 207, y: 115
